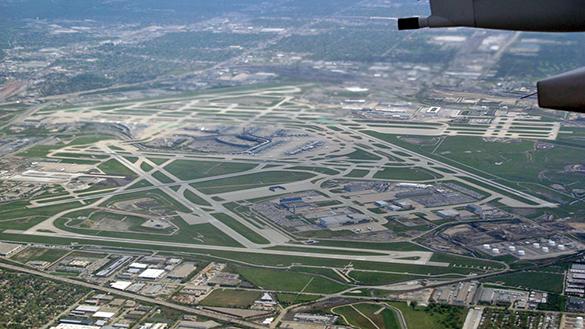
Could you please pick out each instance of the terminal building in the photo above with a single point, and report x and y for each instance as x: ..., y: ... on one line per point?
x: 293, y: 203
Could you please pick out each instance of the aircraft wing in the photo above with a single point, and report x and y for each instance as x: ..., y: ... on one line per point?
x: 517, y: 15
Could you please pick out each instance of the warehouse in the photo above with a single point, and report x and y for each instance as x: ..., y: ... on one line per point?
x: 152, y: 274
x: 341, y: 220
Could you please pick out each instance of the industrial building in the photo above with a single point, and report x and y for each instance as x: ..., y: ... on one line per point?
x: 74, y: 326
x: 113, y: 266
x: 344, y: 219
x: 449, y: 214
x: 292, y: 204
x: 152, y: 274
x: 575, y: 282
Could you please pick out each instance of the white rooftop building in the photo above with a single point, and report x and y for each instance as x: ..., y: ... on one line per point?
x: 139, y: 265
x: 74, y: 326
x: 104, y: 315
x: 121, y: 285
x: 87, y: 308
x: 152, y: 274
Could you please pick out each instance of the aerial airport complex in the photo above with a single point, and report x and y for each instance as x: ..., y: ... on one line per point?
x: 289, y: 187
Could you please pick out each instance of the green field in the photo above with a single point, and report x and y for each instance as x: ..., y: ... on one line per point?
x: 162, y: 178
x: 39, y: 254
x: 544, y: 281
x: 383, y: 319
x: 158, y: 161
x: 190, y: 234
x: 89, y: 139
x: 432, y: 317
x: 16, y: 215
x: 241, y: 228
x: 375, y: 278
x: 357, y: 173
x: 396, y: 246
x: 295, y: 281
x: 510, y: 162
x: 320, y: 170
x: 292, y: 299
x: 113, y: 167
x: 192, y: 169
x: 250, y: 181
x: 231, y: 298
x: 409, y: 174
x: 195, y: 198
x: 84, y: 219
x: 146, y: 167
x: 140, y: 184
x: 360, y: 154
x: 353, y: 317
x: 163, y: 198
x: 38, y: 151
x: 368, y: 316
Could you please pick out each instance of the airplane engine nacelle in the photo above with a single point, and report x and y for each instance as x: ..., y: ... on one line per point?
x: 517, y: 15
x: 563, y: 92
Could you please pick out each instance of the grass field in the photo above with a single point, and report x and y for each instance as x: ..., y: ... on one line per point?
x: 17, y: 216
x: 162, y: 178
x: 368, y: 316
x: 146, y: 167
x: 375, y: 278
x: 140, y: 184
x: 191, y: 169
x: 39, y: 254
x: 360, y: 154
x: 84, y: 219
x: 191, y: 234
x: 513, y: 162
x: 299, y: 282
x: 231, y: 298
x: 38, y: 151
x: 544, y: 281
x: 432, y: 317
x: 357, y: 173
x: 386, y: 318
x: 320, y: 170
x: 164, y: 199
x: 158, y: 161
x: 89, y: 139
x: 249, y: 181
x: 241, y: 228
x: 292, y: 299
x: 353, y: 317
x: 396, y: 246
x: 195, y: 199
x: 113, y: 167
